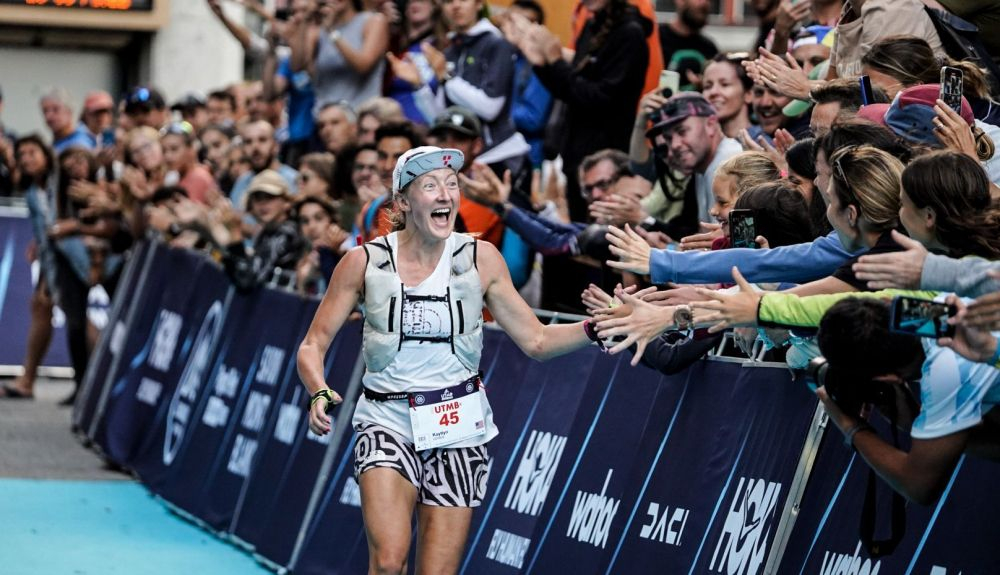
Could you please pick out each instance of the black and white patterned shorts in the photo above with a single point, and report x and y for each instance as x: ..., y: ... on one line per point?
x: 444, y: 476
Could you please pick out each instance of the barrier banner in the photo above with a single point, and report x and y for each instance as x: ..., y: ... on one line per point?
x: 956, y: 534
x: 279, y: 529
x: 16, y: 286
x: 251, y: 423
x: 130, y: 290
x: 335, y: 541
x: 712, y: 491
x: 198, y: 450
x: 575, y: 534
x: 153, y: 372
x: 280, y: 475
x: 531, y: 447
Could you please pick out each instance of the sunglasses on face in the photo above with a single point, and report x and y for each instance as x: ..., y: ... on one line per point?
x: 602, y: 185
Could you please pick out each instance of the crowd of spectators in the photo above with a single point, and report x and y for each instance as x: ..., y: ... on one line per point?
x: 588, y: 174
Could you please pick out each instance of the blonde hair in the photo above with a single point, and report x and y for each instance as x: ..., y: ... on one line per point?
x: 869, y: 179
x: 749, y: 170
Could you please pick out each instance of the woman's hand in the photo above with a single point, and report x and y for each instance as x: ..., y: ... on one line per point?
x: 484, y: 187
x: 730, y: 310
x: 704, y: 240
x: 782, y: 75
x: 676, y: 295
x: 901, y: 270
x: 971, y: 342
x: 776, y: 154
x: 953, y: 132
x: 319, y: 421
x: 405, y: 69
x: 644, y: 324
x: 632, y: 251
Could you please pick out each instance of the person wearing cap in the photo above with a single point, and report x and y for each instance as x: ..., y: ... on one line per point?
x: 98, y: 113
x: 459, y: 128
x: 58, y: 113
x: 913, y: 117
x: 145, y: 106
x: 193, y: 110
x: 423, y: 288
x: 277, y: 247
x: 686, y: 133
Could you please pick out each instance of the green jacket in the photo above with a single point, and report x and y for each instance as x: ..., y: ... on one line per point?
x: 789, y: 310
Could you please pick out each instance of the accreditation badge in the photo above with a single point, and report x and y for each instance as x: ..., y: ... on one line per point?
x: 446, y: 416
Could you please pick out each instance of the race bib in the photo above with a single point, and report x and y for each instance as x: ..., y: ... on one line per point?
x: 446, y: 416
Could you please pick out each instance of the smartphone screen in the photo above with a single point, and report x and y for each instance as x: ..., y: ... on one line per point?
x: 951, y: 87
x: 867, y: 97
x: 108, y: 138
x: 742, y: 229
x: 921, y: 317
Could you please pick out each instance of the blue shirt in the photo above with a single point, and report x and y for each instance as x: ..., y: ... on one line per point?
x: 79, y: 138
x: 799, y: 263
x: 301, y: 100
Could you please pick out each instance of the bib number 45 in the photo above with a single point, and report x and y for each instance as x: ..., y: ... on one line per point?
x: 448, y: 419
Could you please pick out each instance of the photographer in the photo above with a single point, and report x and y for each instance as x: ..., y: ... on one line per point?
x: 955, y: 396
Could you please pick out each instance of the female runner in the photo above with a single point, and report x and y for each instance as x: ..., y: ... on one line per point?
x: 424, y: 420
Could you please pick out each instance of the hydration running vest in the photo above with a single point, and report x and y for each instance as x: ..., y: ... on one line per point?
x: 385, y: 293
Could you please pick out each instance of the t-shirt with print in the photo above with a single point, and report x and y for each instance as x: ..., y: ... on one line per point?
x: 954, y: 392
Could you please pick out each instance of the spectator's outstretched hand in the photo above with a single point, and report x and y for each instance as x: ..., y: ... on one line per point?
x: 971, y: 342
x: 953, y: 132
x: 484, y: 187
x: 703, y: 240
x: 639, y: 321
x: 595, y: 298
x: 436, y: 59
x: 782, y: 75
x: 632, y: 251
x: 894, y: 270
x: 730, y: 310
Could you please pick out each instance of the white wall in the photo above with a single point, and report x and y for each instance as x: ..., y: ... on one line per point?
x: 194, y: 51
x: 26, y: 73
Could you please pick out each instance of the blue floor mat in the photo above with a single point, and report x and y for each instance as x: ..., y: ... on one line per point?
x: 104, y: 527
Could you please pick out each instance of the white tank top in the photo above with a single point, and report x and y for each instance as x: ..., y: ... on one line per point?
x: 420, y: 365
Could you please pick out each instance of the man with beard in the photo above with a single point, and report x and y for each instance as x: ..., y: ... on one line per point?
x: 684, y: 46
x: 262, y: 149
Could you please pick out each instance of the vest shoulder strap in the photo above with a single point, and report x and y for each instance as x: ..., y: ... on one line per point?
x: 465, y: 255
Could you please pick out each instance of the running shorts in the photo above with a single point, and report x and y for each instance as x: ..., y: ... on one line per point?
x: 444, y: 476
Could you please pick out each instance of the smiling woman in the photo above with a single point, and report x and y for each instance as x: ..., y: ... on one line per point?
x: 424, y: 288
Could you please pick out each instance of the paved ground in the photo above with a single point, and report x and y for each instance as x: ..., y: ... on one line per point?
x: 35, y: 439
x: 63, y: 512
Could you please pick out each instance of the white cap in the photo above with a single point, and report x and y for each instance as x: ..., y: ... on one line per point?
x: 418, y: 161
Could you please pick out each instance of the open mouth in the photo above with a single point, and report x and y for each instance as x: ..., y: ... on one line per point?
x: 441, y: 215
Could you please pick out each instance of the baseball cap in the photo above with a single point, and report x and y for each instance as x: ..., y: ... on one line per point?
x: 189, y: 101
x: 142, y: 99
x: 678, y: 108
x: 911, y: 114
x: 268, y: 182
x: 418, y: 161
x: 457, y: 119
x: 811, y: 35
x: 98, y: 100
